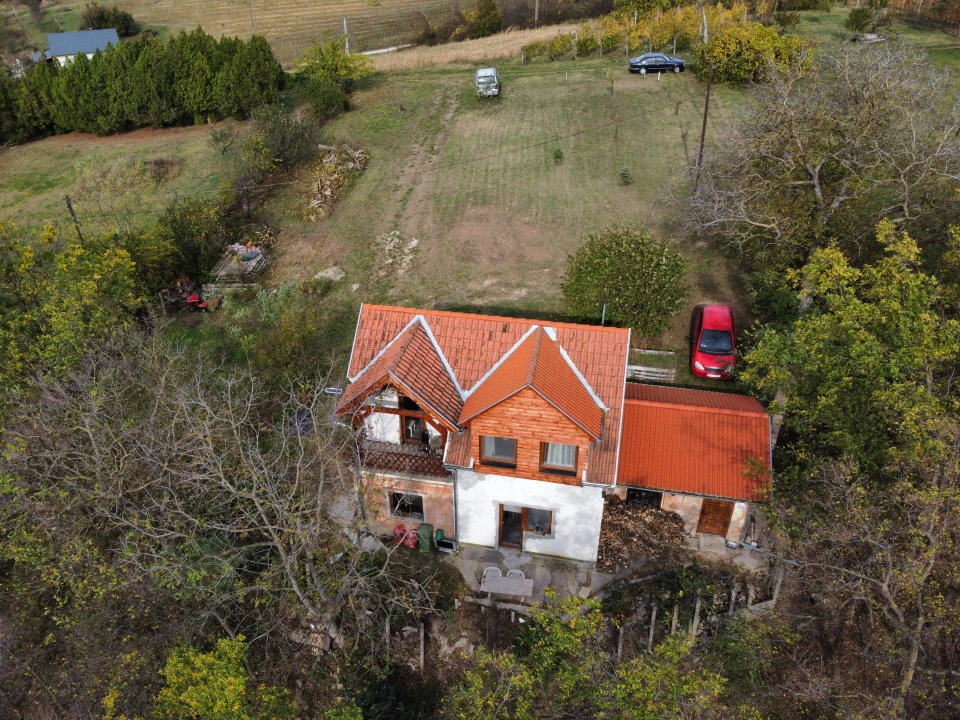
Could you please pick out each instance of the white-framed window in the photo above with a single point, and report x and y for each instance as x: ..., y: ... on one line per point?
x: 408, y: 506
x: 558, y: 458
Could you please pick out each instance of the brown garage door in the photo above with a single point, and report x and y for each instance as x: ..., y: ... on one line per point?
x: 715, y: 517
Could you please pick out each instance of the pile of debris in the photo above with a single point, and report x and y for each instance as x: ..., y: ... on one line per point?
x: 175, y: 295
x: 240, y: 263
x: 633, y: 529
x: 331, y: 177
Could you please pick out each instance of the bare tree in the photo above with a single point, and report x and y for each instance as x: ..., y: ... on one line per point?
x: 876, y: 601
x: 825, y: 151
x: 202, y: 481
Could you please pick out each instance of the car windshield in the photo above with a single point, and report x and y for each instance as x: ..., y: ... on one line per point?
x: 716, y: 342
x: 486, y: 80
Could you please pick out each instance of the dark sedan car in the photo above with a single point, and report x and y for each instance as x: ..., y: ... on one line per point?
x: 656, y: 62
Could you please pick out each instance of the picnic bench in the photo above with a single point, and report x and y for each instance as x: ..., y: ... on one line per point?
x: 521, y: 587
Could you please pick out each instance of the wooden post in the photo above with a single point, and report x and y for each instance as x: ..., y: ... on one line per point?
x: 536, y: 12
x: 253, y: 24
x: 696, y: 620
x: 346, y: 37
x: 733, y: 599
x: 703, y: 131
x: 421, y: 647
x: 623, y: 628
x: 776, y: 589
x: 676, y: 614
x: 73, y: 216
x: 653, y: 624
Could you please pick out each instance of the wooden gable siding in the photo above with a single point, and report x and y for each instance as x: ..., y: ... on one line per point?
x: 530, y: 420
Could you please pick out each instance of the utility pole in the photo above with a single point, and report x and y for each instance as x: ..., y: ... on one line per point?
x: 253, y: 23
x: 73, y: 216
x: 346, y: 37
x: 703, y: 131
x: 536, y: 12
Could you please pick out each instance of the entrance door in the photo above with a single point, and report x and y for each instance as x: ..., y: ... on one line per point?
x: 715, y: 517
x: 511, y: 528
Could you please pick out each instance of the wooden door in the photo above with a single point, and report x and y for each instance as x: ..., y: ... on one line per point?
x: 715, y: 517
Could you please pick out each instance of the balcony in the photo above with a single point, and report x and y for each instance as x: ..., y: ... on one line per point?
x: 401, y: 459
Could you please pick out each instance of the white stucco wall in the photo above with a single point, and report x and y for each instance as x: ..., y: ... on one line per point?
x: 577, y: 513
x: 738, y: 520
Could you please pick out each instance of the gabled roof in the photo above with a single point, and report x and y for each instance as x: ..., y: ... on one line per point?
x: 538, y: 362
x: 413, y: 363
x: 695, y: 442
x: 473, y: 345
x: 82, y: 41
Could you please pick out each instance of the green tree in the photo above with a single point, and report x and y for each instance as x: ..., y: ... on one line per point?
x: 151, y: 101
x: 667, y: 685
x: 868, y: 362
x: 215, y: 686
x: 35, y: 100
x: 859, y: 20
x: 197, y: 230
x: 494, y: 686
x: 640, y: 279
x: 486, y: 19
x: 195, y: 93
x: 745, y: 52
x: 10, y: 130
x: 327, y: 63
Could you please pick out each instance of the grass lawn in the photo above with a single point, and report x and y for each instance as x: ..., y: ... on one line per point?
x: 35, y: 177
x: 476, y: 185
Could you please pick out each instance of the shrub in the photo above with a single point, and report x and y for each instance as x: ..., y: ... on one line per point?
x: 196, y: 230
x: 626, y: 177
x: 558, y: 156
x: 325, y: 99
x: 640, y: 278
x: 559, y: 46
x: 328, y: 62
x: 289, y: 139
x: 486, y: 19
x: 859, y: 20
x: 586, y: 42
x: 99, y: 17
x: 786, y: 21
x: 533, y: 49
x: 747, y: 52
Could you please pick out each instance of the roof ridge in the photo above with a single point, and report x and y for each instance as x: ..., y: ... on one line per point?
x: 486, y: 376
x: 442, y: 356
x: 534, y: 357
x: 723, y: 411
x: 533, y: 321
x: 381, y: 352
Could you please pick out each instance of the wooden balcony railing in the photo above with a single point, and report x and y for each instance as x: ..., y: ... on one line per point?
x: 401, y: 459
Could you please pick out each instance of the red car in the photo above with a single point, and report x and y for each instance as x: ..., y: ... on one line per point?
x: 714, y: 343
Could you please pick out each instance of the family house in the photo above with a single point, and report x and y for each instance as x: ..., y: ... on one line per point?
x: 501, y: 432
x: 64, y: 47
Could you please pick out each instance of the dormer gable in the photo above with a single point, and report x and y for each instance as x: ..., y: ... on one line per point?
x: 538, y: 363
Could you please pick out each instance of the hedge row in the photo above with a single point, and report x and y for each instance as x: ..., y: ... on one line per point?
x: 145, y: 83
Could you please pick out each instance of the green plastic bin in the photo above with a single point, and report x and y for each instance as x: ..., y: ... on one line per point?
x: 425, y: 536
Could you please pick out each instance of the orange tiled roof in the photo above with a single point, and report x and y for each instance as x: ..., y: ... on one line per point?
x: 458, y: 449
x: 538, y: 363
x: 473, y: 344
x: 412, y: 363
x: 695, y: 442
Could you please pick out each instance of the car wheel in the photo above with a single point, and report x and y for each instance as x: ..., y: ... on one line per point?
x: 643, y: 71
x: 676, y: 68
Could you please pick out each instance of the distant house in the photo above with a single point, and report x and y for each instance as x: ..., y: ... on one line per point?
x: 64, y: 47
x: 510, y: 433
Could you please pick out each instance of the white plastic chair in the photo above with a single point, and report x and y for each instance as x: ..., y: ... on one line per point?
x: 492, y: 572
x: 515, y: 574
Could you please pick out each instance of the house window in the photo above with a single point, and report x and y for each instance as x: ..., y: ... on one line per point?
x: 558, y: 458
x: 538, y: 521
x: 413, y: 429
x: 405, y: 505
x: 498, y: 451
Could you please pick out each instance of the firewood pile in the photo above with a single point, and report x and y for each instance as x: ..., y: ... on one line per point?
x: 330, y: 178
x: 176, y: 294
x: 630, y: 530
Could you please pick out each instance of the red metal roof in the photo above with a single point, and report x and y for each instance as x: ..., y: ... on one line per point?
x: 695, y: 442
x: 538, y: 363
x: 411, y: 363
x: 473, y: 344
